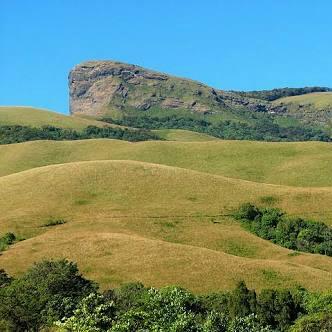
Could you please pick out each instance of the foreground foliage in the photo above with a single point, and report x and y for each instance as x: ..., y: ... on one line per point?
x: 53, y: 294
x: 293, y: 233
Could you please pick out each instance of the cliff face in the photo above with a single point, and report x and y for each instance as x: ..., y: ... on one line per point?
x: 100, y: 87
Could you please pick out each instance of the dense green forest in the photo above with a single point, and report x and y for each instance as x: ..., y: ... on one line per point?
x: 274, y: 94
x: 17, y: 134
x: 290, y: 232
x: 262, y: 129
x: 53, y: 294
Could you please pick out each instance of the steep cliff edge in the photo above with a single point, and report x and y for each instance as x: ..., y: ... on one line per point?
x: 100, y: 87
x: 133, y: 96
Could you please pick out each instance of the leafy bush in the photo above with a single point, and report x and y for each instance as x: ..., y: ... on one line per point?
x: 7, y: 240
x: 54, y: 222
x: 293, y: 233
x: 320, y: 322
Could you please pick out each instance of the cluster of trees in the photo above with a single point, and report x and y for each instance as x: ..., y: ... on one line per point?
x: 262, y: 129
x: 53, y: 295
x: 290, y: 232
x: 18, y: 134
x: 274, y: 94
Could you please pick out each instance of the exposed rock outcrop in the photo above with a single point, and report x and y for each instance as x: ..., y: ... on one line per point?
x: 100, y: 87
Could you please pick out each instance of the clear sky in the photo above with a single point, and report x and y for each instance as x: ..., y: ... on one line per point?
x: 238, y: 44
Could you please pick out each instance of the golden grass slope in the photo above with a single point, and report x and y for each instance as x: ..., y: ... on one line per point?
x: 28, y: 116
x: 321, y: 100
x: 311, y: 108
x: 183, y: 135
x: 131, y: 220
x: 306, y: 164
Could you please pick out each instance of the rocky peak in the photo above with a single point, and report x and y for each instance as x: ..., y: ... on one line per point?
x: 100, y: 87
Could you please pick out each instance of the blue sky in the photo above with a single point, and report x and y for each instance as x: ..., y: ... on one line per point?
x: 240, y: 45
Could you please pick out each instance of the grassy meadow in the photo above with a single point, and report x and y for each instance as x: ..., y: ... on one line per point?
x: 320, y: 100
x: 304, y: 164
x: 130, y: 220
x: 311, y: 108
x: 29, y: 116
x: 159, y: 211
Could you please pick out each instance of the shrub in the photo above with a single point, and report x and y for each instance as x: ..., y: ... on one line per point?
x: 292, y: 233
x: 248, y: 212
x: 7, y: 240
x: 55, y: 222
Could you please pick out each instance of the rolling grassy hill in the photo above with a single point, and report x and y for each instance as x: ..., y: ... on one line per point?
x: 130, y: 221
x: 34, y: 117
x: 312, y: 108
x: 159, y: 211
x: 293, y: 164
x: 183, y: 135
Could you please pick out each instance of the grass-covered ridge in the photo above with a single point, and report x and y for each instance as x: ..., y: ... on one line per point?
x: 312, y: 108
x: 294, y: 164
x: 159, y: 222
x: 35, y: 117
x: 137, y: 211
x: 275, y: 94
x: 183, y: 135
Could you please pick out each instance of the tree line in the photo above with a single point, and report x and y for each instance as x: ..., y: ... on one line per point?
x: 262, y: 128
x: 17, y: 134
x: 54, y: 296
x: 290, y: 232
x: 274, y: 94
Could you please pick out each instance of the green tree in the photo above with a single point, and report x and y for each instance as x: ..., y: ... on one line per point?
x: 242, y: 301
x: 46, y: 292
x: 93, y: 314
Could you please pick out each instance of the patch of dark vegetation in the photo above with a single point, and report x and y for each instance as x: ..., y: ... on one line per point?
x: 18, y: 134
x: 269, y: 200
x: 274, y: 94
x: 82, y: 202
x: 54, y: 222
x: 7, y: 240
x: 262, y: 129
x: 54, y: 294
x: 290, y: 232
x: 294, y: 254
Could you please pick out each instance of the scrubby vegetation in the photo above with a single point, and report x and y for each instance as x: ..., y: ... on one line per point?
x: 54, y: 222
x: 7, y: 240
x: 290, y: 232
x: 53, y: 294
x: 274, y: 94
x: 17, y: 134
x: 262, y: 129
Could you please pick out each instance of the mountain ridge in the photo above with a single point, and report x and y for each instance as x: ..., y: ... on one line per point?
x: 133, y: 96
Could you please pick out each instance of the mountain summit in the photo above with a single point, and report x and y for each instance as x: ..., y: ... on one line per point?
x: 98, y: 86
x: 133, y: 96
